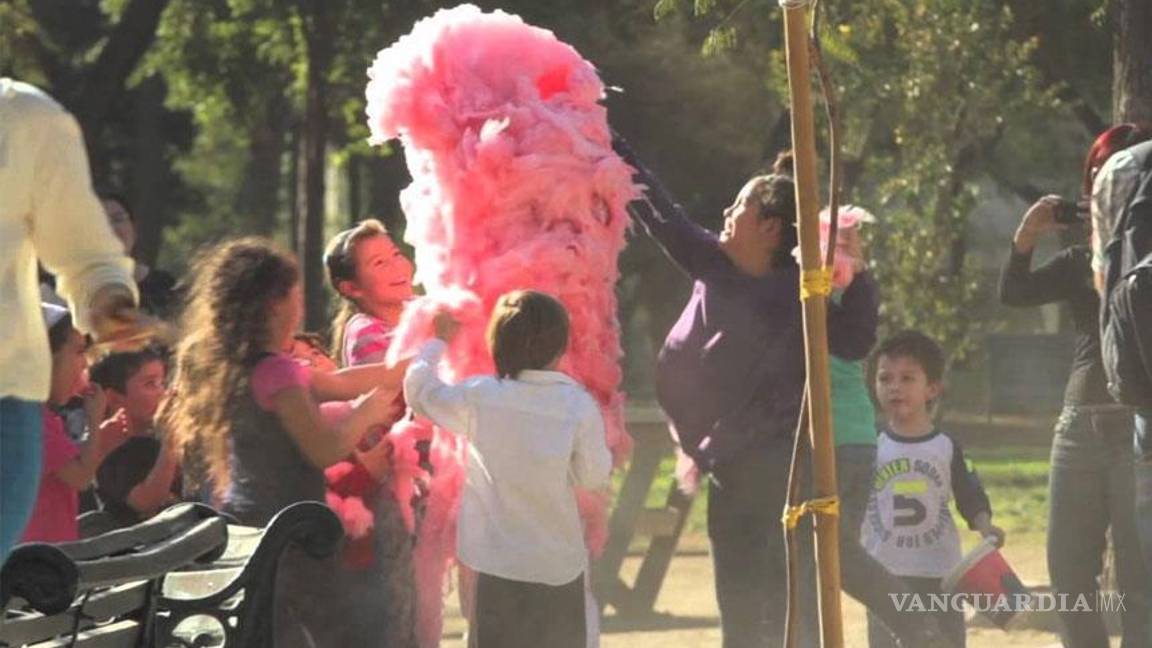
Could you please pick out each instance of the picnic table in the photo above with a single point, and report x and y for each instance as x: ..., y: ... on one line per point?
x: 632, y: 519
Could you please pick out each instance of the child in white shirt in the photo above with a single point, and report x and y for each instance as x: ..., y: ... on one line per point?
x: 535, y: 435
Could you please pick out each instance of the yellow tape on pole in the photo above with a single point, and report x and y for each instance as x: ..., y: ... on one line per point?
x: 821, y: 506
x: 815, y: 283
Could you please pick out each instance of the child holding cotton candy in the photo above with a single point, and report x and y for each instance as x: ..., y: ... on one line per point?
x: 536, y: 435
x: 245, y: 418
x: 374, y: 280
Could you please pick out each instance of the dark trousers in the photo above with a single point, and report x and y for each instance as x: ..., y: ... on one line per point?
x: 1091, y: 490
x: 951, y: 621
x: 745, y: 500
x: 516, y: 614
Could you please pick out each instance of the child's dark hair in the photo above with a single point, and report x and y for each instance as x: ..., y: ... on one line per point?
x: 59, y: 333
x: 340, y: 261
x: 114, y: 370
x: 314, y: 340
x: 918, y: 347
x: 528, y: 330
x: 112, y: 194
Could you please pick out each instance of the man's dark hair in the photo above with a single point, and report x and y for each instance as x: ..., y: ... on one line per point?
x: 114, y: 370
x: 918, y: 347
x: 528, y: 330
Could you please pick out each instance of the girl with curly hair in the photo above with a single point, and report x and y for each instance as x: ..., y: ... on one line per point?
x: 246, y: 419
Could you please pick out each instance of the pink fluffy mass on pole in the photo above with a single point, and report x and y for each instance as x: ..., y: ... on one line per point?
x: 514, y: 185
x: 848, y: 233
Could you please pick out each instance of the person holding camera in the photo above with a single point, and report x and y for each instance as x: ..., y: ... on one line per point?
x: 1091, y: 486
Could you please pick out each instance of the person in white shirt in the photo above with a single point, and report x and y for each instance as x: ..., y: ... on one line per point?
x: 535, y: 434
x: 1110, y: 177
x: 48, y: 212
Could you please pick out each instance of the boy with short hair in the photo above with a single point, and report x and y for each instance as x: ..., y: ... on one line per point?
x: 139, y: 478
x: 919, y: 469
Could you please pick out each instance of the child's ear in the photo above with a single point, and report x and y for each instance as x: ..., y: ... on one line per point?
x: 348, y: 289
x: 935, y: 389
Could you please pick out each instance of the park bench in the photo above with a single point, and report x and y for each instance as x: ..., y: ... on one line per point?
x: 184, y: 578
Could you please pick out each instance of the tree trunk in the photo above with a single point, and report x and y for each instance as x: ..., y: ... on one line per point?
x: 386, y: 177
x: 1132, y: 61
x: 150, y: 170
x: 355, y: 202
x: 319, y: 36
x: 295, y: 187
x: 107, y: 77
x: 259, y: 194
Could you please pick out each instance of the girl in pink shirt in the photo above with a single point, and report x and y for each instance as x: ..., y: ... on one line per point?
x: 246, y: 418
x: 69, y: 469
x: 375, y: 280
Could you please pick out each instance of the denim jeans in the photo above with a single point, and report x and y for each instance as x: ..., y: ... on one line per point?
x: 1143, y: 479
x: 21, y: 446
x: 1091, y: 489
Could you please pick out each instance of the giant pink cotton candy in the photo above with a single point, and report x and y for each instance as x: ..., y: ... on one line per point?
x: 514, y: 185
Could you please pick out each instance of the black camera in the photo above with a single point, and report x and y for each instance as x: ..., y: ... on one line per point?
x: 1070, y: 213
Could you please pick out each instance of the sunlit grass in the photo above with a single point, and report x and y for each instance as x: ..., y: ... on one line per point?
x: 1015, y: 477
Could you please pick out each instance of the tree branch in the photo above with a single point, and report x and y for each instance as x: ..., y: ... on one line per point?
x: 104, y: 80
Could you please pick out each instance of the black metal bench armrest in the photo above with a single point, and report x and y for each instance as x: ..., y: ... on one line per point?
x: 42, y: 575
x: 310, y: 526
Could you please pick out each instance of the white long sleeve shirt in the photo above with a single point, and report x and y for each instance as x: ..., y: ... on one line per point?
x: 533, y: 440
x: 1111, y: 190
x: 47, y: 211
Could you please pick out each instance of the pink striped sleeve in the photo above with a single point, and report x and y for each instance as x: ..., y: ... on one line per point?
x: 366, y: 340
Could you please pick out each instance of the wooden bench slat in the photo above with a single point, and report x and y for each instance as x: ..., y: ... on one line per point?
x: 121, y: 634
x: 103, y: 605
x: 206, y: 537
x: 168, y: 523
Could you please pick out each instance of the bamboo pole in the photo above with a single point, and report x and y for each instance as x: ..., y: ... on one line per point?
x: 814, y: 292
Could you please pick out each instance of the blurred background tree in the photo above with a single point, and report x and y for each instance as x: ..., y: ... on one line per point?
x: 223, y: 117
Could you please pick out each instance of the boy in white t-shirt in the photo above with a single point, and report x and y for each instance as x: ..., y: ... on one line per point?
x: 919, y: 470
x: 535, y: 434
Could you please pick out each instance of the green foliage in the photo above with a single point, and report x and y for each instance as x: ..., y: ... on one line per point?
x: 928, y: 91
x: 17, y: 28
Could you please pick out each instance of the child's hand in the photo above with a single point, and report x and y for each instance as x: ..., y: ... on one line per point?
x: 95, y: 405
x: 446, y: 326
x: 379, y: 404
x: 377, y: 460
x: 112, y: 433
x: 989, y: 530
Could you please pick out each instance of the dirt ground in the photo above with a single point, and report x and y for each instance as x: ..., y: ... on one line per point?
x: 687, y: 616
